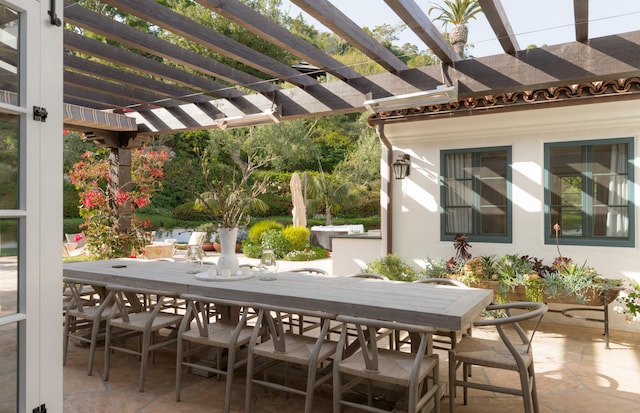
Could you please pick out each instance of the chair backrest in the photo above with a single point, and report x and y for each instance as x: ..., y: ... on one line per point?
x: 442, y: 281
x: 368, y: 275
x: 309, y: 270
x: 205, y: 309
x: 273, y: 318
x: 79, y: 239
x: 368, y: 330
x: 75, y: 288
x: 134, y: 299
x: 196, y: 238
x: 530, y: 311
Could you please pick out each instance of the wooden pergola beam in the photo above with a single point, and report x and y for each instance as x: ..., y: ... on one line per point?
x: 497, y: 17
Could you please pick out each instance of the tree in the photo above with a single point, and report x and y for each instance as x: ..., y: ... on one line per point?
x: 458, y: 13
x: 329, y: 195
x: 362, y: 165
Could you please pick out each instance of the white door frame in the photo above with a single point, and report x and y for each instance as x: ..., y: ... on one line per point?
x: 40, y: 208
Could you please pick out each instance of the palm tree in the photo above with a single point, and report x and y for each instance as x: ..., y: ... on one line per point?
x: 329, y: 195
x: 458, y: 13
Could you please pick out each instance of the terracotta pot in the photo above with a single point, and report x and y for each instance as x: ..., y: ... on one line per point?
x: 208, y: 246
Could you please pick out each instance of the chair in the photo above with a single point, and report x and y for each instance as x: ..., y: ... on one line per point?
x: 298, y: 319
x: 444, y: 340
x: 85, y: 316
x: 136, y: 320
x: 288, y: 348
x: 310, y: 270
x: 509, y: 351
x: 204, y: 327
x: 371, y: 364
x: 370, y: 276
x: 75, y: 245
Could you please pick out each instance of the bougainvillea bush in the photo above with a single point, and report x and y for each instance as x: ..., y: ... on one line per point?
x: 103, y: 209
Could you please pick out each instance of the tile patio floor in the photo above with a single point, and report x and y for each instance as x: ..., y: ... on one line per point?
x: 575, y: 374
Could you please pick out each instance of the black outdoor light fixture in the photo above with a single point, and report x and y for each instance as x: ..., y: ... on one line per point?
x: 401, y: 166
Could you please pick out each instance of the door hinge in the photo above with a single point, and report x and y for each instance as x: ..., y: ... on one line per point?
x: 40, y: 114
x: 53, y: 16
x: 40, y: 409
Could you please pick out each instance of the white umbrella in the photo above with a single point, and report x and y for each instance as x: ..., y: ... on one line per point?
x: 299, y: 211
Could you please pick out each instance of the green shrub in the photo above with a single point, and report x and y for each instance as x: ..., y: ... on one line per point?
x: 187, y: 213
x: 256, y: 230
x: 307, y: 254
x: 274, y: 239
x: 298, y: 237
x: 251, y: 250
x: 393, y: 267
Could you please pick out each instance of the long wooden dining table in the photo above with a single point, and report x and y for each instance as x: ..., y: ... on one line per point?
x: 441, y: 307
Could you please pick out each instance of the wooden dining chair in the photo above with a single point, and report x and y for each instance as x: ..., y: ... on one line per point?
x: 416, y: 373
x: 139, y: 317
x: 205, y: 327
x: 298, y: 320
x: 369, y: 275
x: 285, y: 348
x: 85, y: 316
x: 511, y: 350
x: 443, y: 339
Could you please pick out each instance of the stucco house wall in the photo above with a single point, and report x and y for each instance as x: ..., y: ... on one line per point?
x: 416, y: 199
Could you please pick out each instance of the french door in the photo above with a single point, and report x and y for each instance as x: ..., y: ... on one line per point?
x: 30, y: 207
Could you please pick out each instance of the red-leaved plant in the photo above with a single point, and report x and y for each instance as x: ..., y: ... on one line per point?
x: 102, y: 210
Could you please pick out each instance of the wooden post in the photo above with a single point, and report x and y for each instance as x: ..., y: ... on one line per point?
x: 120, y: 179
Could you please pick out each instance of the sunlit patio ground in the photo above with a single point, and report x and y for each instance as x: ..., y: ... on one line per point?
x: 574, y: 371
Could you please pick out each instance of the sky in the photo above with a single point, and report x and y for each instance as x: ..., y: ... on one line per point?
x: 539, y: 22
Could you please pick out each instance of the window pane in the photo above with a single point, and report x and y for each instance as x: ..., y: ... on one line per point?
x: 458, y: 221
x: 459, y: 193
x: 8, y: 266
x: 475, y: 192
x: 9, y: 157
x: 570, y: 222
x: 494, y: 221
x: 9, y: 54
x: 589, y: 190
x: 9, y: 367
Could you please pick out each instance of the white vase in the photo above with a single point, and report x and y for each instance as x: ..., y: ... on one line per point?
x: 228, y: 259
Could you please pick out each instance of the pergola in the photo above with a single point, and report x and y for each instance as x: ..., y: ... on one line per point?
x: 149, y: 86
x: 119, y: 92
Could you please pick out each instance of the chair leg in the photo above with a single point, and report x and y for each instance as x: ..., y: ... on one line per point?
x: 465, y: 378
x: 179, y: 356
x: 231, y: 361
x: 529, y: 395
x: 311, y: 385
x: 107, y: 351
x: 337, y: 391
x: 146, y: 338
x: 452, y: 381
x: 249, y: 385
x: 534, y: 391
x: 92, y: 346
x: 65, y: 343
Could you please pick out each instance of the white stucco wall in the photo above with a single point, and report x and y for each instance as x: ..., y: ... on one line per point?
x: 416, y: 199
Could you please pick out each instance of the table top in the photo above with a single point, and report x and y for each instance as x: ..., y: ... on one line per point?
x: 442, y: 307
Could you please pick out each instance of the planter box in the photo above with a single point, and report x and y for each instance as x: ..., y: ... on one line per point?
x: 595, y: 298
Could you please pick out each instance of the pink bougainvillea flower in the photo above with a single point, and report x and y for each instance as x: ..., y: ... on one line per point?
x: 121, y: 197
x: 141, y: 202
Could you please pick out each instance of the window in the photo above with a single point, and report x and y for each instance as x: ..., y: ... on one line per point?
x: 588, y: 192
x: 476, y: 194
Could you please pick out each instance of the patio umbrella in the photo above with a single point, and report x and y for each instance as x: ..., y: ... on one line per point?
x: 299, y: 211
